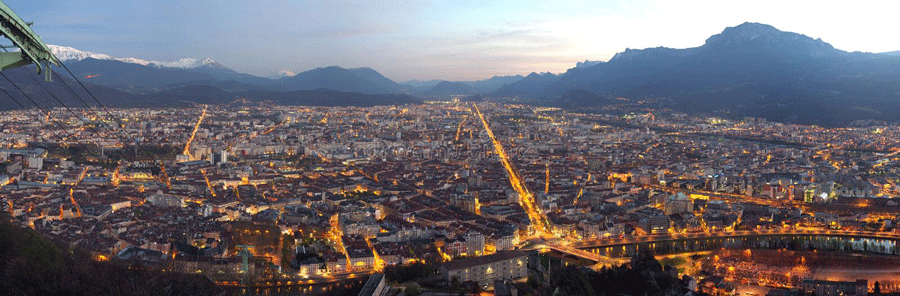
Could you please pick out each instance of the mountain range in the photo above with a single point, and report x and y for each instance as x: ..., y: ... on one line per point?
x: 485, y: 86
x: 750, y: 69
x: 534, y: 83
x: 143, y: 76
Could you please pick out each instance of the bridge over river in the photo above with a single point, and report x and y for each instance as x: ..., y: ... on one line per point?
x: 614, y: 251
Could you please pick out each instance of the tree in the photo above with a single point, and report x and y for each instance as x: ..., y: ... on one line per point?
x: 413, y: 291
x: 407, y: 273
x: 571, y: 281
x: 31, y: 264
x: 287, y: 250
x: 471, y: 287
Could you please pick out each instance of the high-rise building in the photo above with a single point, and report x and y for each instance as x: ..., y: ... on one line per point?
x: 475, y: 243
x: 220, y: 157
x: 34, y: 162
x: 658, y: 224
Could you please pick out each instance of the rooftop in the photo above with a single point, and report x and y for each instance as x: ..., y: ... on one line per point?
x: 476, y: 261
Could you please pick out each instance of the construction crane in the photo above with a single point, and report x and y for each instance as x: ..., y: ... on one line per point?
x: 32, y: 49
x: 244, y: 253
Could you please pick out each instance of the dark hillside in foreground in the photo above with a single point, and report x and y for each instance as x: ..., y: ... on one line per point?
x: 33, y: 265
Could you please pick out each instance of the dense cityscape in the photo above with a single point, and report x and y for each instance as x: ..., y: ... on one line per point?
x: 736, y: 159
x: 315, y: 195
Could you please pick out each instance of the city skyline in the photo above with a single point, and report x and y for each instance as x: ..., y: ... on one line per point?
x: 139, y: 159
x: 429, y: 40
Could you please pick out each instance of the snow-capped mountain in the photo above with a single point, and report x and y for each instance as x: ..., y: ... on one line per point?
x: 281, y: 74
x: 187, y: 63
x: 65, y: 53
x: 139, y: 75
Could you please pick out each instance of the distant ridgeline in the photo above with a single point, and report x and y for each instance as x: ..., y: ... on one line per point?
x: 748, y: 70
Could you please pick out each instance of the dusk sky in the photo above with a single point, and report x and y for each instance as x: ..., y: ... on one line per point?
x: 452, y: 40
